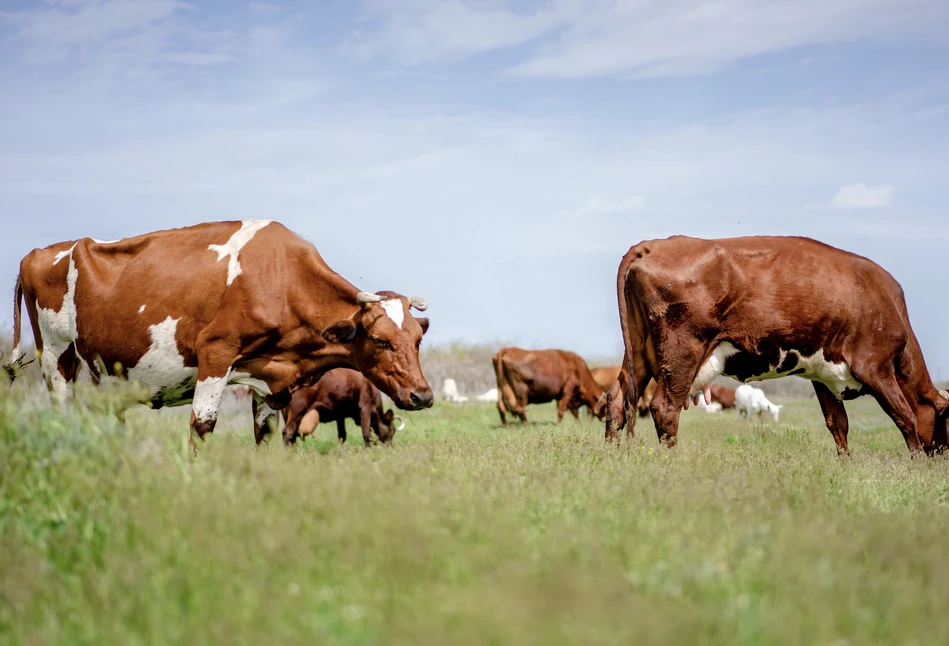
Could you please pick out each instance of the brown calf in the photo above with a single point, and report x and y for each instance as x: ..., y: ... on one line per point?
x: 339, y: 395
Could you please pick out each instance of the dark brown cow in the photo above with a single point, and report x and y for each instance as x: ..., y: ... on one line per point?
x: 540, y: 376
x: 187, y: 311
x: 765, y: 307
x: 339, y: 395
x: 722, y: 394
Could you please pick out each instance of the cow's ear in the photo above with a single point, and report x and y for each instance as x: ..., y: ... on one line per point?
x: 388, y: 416
x: 340, y: 332
x: 424, y: 323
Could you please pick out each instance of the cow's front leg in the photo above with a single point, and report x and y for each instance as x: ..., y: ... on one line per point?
x: 207, y: 401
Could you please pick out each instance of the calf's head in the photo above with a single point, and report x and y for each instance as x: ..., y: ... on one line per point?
x: 383, y: 339
x: 386, y: 424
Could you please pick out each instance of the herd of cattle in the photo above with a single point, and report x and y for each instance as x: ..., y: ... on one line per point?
x: 187, y: 312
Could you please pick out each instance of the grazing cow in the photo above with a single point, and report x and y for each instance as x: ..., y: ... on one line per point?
x: 722, y: 395
x: 752, y: 401
x: 450, y: 392
x: 766, y: 307
x: 186, y: 312
x: 606, y: 376
x: 339, y: 395
x: 539, y: 376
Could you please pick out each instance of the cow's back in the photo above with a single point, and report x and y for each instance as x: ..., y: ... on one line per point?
x: 759, y: 288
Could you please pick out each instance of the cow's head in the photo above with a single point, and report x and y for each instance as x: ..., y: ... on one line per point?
x: 386, y: 425
x: 383, y: 340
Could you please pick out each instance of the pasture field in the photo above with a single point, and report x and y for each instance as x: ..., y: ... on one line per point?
x: 464, y: 532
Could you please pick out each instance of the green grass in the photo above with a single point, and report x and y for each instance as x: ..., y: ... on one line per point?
x: 464, y: 532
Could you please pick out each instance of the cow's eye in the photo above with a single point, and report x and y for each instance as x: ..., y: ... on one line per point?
x: 382, y: 343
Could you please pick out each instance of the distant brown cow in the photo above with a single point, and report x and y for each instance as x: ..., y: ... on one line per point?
x: 765, y: 307
x: 339, y: 395
x: 539, y: 376
x: 721, y: 394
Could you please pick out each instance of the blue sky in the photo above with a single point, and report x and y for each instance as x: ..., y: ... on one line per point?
x: 496, y: 157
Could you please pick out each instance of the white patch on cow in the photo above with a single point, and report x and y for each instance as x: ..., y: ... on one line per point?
x: 63, y: 254
x: 141, y: 309
x: 232, y: 248
x: 207, y: 397
x: 162, y: 367
x: 58, y: 330
x: 713, y: 367
x: 942, y: 393
x: 257, y: 385
x: 103, y: 241
x: 836, y: 376
x: 395, y: 311
x: 15, y: 354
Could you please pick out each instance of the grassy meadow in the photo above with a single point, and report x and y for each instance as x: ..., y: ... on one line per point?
x: 464, y: 532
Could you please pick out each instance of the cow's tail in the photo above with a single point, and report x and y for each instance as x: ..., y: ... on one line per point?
x: 634, y: 340
x: 505, y: 404
x: 14, y: 367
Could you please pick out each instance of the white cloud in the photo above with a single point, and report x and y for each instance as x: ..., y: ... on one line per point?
x: 121, y: 38
x: 446, y: 30
x: 643, y: 38
x: 862, y: 196
x: 597, y: 204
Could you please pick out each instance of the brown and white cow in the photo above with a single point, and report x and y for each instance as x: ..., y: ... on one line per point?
x: 339, y: 395
x: 765, y: 307
x: 186, y: 312
x: 540, y: 376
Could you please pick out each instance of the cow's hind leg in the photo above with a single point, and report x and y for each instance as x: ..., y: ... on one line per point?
x: 835, y: 416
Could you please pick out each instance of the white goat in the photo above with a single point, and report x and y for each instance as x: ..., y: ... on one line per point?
x: 750, y: 400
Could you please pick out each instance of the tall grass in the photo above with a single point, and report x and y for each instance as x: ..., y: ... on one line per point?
x: 464, y: 532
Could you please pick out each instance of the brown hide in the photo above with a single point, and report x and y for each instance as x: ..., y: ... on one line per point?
x: 773, y: 305
x: 540, y: 376
x: 186, y: 310
x: 339, y: 395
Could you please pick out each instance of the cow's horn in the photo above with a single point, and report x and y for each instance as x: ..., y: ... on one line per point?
x: 401, y: 423
x: 364, y: 298
x: 945, y: 394
x: 418, y: 303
